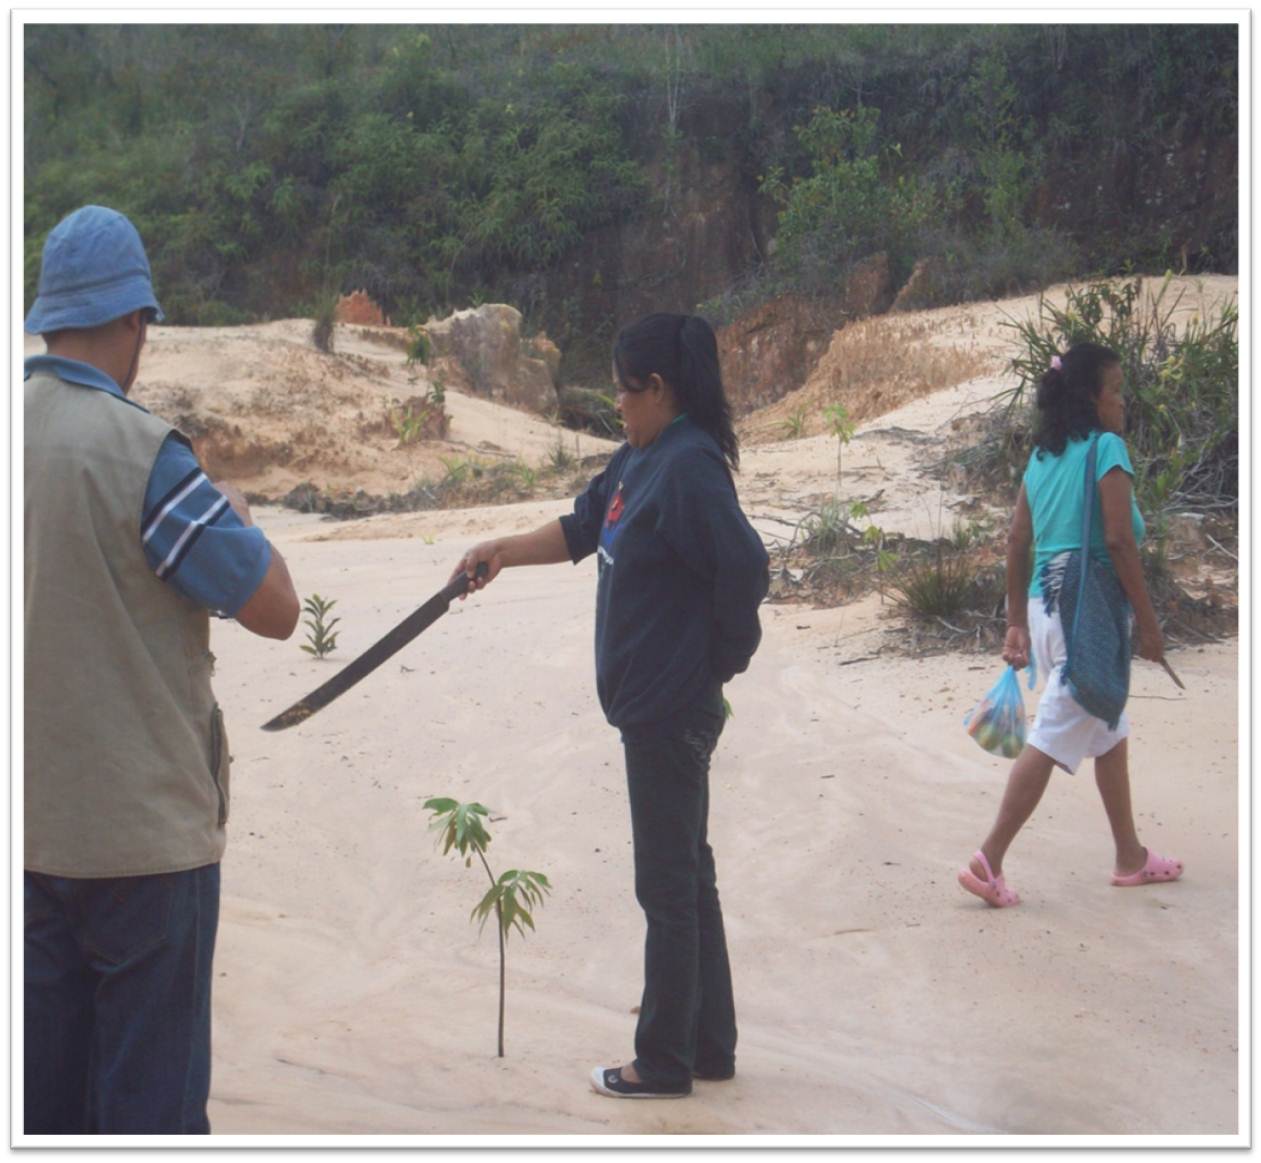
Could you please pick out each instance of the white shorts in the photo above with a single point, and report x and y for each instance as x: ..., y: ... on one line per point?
x: 1063, y: 729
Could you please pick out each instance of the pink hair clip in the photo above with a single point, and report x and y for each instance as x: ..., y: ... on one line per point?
x: 1056, y: 365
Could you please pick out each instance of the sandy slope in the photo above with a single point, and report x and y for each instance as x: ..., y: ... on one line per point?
x: 886, y: 361
x: 269, y: 412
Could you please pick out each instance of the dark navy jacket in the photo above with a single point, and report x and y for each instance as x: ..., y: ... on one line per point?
x: 681, y: 575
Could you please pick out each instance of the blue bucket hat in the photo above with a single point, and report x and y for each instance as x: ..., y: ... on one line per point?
x: 94, y: 270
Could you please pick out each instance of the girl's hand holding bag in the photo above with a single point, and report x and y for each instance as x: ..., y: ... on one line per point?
x: 997, y: 722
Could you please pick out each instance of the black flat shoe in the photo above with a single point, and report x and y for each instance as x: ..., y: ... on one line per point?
x: 608, y: 1080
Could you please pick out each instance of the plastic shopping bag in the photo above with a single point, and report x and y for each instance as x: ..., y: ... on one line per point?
x: 997, y: 722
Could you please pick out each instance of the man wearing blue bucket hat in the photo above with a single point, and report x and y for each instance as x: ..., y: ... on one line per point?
x: 128, y: 548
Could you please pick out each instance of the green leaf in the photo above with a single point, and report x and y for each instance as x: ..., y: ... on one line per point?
x: 481, y: 911
x: 467, y: 829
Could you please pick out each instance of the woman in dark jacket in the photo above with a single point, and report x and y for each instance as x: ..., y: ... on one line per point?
x: 681, y: 576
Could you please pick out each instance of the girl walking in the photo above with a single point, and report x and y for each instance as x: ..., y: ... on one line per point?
x: 1080, y: 403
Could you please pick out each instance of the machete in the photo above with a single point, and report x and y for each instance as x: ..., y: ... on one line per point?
x: 376, y: 654
x: 1170, y: 673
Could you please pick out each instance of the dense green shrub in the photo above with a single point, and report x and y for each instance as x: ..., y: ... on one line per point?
x: 429, y: 165
x: 935, y: 585
x: 996, y: 263
x: 1182, y: 385
x: 852, y: 204
x: 323, y: 329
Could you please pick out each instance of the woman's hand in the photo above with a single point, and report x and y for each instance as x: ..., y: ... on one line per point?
x: 1151, y: 642
x: 488, y: 552
x: 545, y: 545
x: 1016, y: 647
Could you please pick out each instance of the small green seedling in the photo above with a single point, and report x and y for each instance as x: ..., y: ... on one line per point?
x: 409, y: 424
x: 322, y: 637
x: 795, y: 425
x: 842, y: 427
x: 458, y: 469
x: 510, y: 897
x: 561, y: 458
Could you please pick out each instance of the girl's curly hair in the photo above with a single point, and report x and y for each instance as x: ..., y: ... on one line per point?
x: 1067, y: 396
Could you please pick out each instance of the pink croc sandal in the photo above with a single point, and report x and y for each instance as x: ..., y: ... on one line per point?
x: 993, y: 890
x: 1156, y: 869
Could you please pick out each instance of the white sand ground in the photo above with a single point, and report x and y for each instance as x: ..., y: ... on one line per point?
x: 874, y: 995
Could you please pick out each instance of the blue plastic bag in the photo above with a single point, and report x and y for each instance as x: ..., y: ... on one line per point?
x: 997, y: 722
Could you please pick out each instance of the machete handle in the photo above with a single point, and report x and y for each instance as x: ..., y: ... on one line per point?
x: 463, y: 582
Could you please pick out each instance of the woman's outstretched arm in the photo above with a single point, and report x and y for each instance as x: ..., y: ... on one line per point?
x: 545, y: 545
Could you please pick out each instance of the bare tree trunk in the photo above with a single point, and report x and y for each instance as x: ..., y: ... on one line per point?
x: 1056, y: 36
x: 674, y: 98
x: 243, y: 109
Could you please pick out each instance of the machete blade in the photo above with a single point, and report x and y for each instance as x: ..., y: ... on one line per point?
x: 417, y: 621
x: 1170, y: 672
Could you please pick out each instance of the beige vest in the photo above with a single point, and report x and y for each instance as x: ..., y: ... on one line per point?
x: 126, y: 760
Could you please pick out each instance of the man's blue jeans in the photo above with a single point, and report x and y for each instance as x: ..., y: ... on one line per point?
x: 117, y: 1003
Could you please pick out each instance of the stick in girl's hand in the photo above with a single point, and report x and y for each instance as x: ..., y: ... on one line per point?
x: 1170, y: 673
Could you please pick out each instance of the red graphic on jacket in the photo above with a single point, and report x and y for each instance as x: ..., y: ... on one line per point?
x: 615, y: 509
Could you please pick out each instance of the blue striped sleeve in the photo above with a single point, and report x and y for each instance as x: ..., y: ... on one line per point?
x: 192, y: 537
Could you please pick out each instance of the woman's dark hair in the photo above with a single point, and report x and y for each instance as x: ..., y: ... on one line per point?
x: 683, y: 351
x: 1067, y: 396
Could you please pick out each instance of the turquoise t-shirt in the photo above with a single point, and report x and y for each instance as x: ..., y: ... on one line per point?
x: 1055, y: 488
